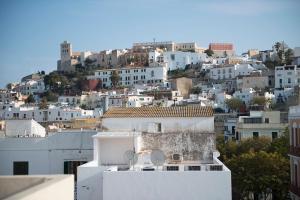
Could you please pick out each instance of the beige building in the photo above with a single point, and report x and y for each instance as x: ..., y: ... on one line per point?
x: 37, y: 187
x: 260, y: 123
x: 189, y: 46
x: 253, y: 53
x: 294, y: 129
x: 170, y: 46
x: 260, y: 82
x: 183, y: 85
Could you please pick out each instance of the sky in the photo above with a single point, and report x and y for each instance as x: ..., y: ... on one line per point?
x: 31, y: 30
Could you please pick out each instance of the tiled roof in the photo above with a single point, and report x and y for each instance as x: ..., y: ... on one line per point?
x: 144, y: 112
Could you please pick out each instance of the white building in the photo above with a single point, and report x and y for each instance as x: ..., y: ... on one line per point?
x: 52, y: 114
x: 23, y: 128
x: 231, y: 71
x: 229, y: 128
x: 175, y: 59
x: 133, y: 75
x: 246, y: 95
x: 287, y: 76
x: 139, y: 100
x: 188, y: 168
x: 8, y: 96
x: 31, y: 87
x: 54, y: 153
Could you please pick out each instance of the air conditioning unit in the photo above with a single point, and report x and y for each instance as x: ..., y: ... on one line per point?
x: 176, y: 157
x: 215, y: 167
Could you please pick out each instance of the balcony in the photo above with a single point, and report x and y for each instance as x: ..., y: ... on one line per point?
x: 294, y: 189
x: 261, y: 126
x: 295, y: 151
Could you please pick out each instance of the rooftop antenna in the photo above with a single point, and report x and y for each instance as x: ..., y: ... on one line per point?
x: 131, y: 158
x: 157, y: 157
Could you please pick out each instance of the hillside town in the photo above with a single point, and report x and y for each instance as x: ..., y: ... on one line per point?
x: 111, y: 116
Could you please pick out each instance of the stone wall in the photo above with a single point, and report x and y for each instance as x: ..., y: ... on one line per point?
x: 192, y: 146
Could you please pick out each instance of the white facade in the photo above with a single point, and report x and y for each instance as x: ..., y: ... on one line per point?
x: 231, y: 71
x: 139, y: 100
x: 52, y: 114
x: 176, y: 59
x: 131, y: 76
x: 7, y: 96
x: 46, y: 155
x: 246, y: 95
x: 287, y: 76
x: 24, y: 128
x: 169, y: 124
x: 31, y: 87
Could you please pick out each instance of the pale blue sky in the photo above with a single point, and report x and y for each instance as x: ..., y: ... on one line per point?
x: 31, y: 30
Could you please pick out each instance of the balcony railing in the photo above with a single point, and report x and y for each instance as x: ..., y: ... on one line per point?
x: 294, y: 189
x: 262, y: 126
x: 295, y: 150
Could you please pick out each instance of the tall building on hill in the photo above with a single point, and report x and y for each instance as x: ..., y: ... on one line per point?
x: 68, y: 58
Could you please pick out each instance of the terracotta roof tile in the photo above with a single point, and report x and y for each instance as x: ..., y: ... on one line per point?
x: 144, y: 112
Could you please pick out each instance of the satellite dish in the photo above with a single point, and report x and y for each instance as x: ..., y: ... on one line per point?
x: 130, y: 157
x: 157, y: 157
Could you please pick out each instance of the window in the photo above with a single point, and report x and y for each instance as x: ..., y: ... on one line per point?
x: 194, y: 168
x: 255, y: 134
x: 274, y: 135
x: 215, y: 167
x: 21, y: 168
x: 266, y: 120
x: 172, y: 56
x: 70, y: 167
x: 152, y: 73
x: 158, y: 127
x: 289, y: 80
x: 253, y: 120
x: 172, y: 168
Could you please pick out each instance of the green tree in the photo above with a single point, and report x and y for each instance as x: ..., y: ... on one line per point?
x: 260, y: 173
x: 281, y: 144
x: 259, y: 100
x: 115, y: 78
x: 209, y: 52
x: 288, y: 54
x: 277, y: 46
x: 246, y: 160
x: 30, y: 99
x: 234, y: 103
x: 50, y: 96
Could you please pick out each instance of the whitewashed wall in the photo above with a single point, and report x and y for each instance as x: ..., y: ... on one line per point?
x: 168, y: 124
x: 46, y: 155
x: 175, y: 185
